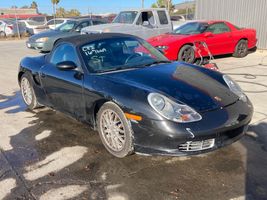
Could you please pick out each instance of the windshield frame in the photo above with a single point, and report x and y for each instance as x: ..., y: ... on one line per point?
x: 150, y: 48
x: 190, y: 23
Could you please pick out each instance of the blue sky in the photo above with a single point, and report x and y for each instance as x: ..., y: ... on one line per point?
x: 85, y: 6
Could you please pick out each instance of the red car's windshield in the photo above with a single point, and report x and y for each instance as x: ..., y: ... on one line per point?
x: 191, y: 28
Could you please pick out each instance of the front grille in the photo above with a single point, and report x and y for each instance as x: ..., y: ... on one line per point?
x: 197, y: 145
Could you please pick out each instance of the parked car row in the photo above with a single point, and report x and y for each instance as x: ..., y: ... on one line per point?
x: 155, y: 26
x: 45, y: 40
x: 144, y: 23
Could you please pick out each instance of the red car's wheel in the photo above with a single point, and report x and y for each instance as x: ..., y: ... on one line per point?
x: 241, y: 49
x: 186, y: 54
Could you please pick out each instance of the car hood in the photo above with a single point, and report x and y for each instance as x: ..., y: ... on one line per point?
x: 181, y: 82
x: 167, y: 38
x: 113, y: 27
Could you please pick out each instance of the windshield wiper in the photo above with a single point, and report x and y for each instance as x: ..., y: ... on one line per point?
x: 134, y: 67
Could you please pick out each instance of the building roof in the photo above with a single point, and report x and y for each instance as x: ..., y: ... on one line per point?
x: 13, y: 11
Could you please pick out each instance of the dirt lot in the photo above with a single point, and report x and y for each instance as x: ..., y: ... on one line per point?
x: 46, y: 155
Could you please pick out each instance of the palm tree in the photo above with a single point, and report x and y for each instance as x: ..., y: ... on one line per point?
x: 54, y: 2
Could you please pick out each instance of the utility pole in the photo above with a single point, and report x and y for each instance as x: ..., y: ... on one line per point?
x: 142, y: 3
x: 17, y: 23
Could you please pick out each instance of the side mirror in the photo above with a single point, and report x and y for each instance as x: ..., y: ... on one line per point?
x: 78, y: 29
x: 66, y: 65
x: 145, y: 23
x: 208, y: 34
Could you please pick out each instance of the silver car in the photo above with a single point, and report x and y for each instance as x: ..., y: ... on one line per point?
x: 11, y: 28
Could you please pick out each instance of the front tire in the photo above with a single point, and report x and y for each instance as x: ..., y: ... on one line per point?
x: 114, y: 130
x: 27, y: 91
x: 187, y: 54
x: 241, y: 49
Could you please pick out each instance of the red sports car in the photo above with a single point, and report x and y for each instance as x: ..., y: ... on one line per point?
x: 221, y: 37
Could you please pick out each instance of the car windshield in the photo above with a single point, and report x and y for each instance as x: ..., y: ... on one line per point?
x: 126, y: 17
x: 118, y: 54
x: 67, y: 26
x: 191, y: 28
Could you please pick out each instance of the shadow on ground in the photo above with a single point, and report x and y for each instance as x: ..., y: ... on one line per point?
x: 12, y: 103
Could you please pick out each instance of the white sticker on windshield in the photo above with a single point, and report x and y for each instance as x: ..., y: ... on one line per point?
x: 89, y: 50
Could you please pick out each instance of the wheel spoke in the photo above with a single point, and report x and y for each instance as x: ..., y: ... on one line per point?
x: 26, y: 91
x: 112, y: 130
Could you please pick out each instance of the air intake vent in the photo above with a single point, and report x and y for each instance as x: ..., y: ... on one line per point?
x: 197, y: 145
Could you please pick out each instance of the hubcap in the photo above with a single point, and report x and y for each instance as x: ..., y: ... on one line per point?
x: 26, y: 91
x: 112, y: 130
x: 242, y: 48
x: 187, y: 55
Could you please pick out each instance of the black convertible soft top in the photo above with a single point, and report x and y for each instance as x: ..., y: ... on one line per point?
x: 79, y: 40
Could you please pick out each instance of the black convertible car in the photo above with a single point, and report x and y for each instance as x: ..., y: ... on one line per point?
x: 137, y: 99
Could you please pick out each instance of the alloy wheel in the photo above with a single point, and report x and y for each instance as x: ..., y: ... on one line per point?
x: 242, y: 48
x: 26, y: 91
x: 112, y: 130
x: 188, y: 55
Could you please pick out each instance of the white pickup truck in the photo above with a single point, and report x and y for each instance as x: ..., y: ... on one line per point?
x: 143, y: 23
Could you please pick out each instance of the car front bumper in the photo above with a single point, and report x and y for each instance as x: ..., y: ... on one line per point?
x: 225, y: 126
x: 35, y: 45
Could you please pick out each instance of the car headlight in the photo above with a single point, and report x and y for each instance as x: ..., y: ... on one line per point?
x: 171, y: 110
x: 234, y: 87
x: 43, y: 39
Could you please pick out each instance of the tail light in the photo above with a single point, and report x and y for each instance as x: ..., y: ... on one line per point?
x: 10, y: 26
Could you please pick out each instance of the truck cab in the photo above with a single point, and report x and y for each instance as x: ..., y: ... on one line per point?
x: 143, y: 23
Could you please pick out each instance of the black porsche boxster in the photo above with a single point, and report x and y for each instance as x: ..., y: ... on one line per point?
x: 137, y: 99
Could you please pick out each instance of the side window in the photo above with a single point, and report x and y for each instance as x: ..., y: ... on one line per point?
x: 82, y: 25
x: 59, y: 21
x: 162, y: 17
x: 146, y: 17
x: 64, y: 52
x: 51, y: 22
x: 218, y: 28
x: 96, y: 22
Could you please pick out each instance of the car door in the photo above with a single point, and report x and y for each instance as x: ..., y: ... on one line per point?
x: 64, y: 88
x: 146, y: 24
x: 164, y: 25
x: 220, y: 40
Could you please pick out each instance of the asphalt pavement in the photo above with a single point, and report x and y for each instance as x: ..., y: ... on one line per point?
x: 46, y: 155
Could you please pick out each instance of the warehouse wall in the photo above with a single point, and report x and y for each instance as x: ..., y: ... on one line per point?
x: 243, y: 13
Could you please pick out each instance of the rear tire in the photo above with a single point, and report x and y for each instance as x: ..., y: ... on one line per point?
x: 241, y: 49
x: 187, y: 54
x: 27, y: 91
x: 115, y: 130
